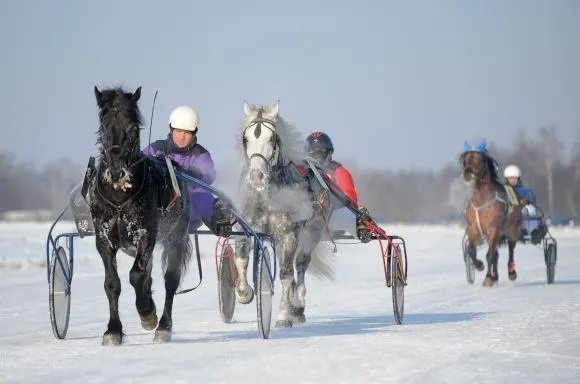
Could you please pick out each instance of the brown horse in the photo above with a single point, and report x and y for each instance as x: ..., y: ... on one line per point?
x: 488, y: 214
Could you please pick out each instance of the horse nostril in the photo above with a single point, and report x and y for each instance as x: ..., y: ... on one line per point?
x: 256, y: 176
x: 115, y: 151
x: 122, y: 174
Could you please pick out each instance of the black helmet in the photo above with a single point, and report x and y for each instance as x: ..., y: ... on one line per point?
x: 317, y: 141
x: 319, y: 146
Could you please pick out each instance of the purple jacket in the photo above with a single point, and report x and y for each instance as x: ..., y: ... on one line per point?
x: 196, y: 160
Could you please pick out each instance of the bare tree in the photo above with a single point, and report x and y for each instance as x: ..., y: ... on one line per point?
x: 551, y: 146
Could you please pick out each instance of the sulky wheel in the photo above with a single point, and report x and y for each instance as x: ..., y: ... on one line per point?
x: 265, y: 288
x: 226, y: 283
x: 59, y: 292
x: 398, y: 283
x: 469, y: 266
x: 551, y: 257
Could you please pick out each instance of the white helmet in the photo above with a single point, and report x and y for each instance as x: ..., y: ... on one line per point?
x: 184, y: 118
x: 512, y: 171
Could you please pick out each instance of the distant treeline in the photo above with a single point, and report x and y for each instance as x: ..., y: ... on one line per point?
x: 24, y: 187
x: 401, y: 196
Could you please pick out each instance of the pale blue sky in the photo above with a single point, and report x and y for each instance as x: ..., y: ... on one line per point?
x: 395, y: 84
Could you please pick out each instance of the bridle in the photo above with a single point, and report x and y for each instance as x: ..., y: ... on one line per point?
x: 478, y: 174
x: 106, y: 151
x: 258, y: 122
x: 106, y: 159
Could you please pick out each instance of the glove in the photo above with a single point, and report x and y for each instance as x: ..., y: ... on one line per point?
x: 222, y: 220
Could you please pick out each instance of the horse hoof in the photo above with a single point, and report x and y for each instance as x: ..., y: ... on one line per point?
x: 162, y: 336
x: 512, y: 274
x: 489, y: 281
x: 300, y: 319
x: 283, y: 324
x: 112, y: 338
x: 149, y: 322
x: 245, y: 296
x: 478, y: 265
x: 298, y: 315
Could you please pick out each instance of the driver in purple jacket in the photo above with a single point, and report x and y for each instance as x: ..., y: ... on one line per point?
x: 181, y: 146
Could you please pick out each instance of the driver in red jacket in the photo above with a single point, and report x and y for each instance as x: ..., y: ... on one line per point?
x: 319, y: 146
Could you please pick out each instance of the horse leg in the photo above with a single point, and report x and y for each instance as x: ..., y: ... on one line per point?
x: 300, y: 295
x: 286, y: 309
x: 511, y: 263
x: 176, y: 254
x: 140, y: 279
x: 472, y: 252
x: 492, y: 256
x: 286, y: 318
x: 244, y: 292
x: 114, y: 333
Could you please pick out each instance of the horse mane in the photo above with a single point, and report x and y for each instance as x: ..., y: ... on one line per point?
x: 492, y: 169
x: 117, y: 108
x: 292, y: 143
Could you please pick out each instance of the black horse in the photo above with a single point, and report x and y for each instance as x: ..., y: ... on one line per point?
x: 126, y: 198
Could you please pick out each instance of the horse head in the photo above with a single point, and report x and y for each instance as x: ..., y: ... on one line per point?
x: 118, y: 133
x: 476, y: 165
x: 261, y: 143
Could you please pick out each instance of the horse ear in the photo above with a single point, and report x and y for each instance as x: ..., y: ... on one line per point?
x: 247, y: 109
x: 135, y: 97
x: 98, y: 96
x: 482, y: 147
x: 271, y: 111
x: 275, y: 108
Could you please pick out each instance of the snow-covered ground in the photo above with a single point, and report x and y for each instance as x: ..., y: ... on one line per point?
x: 523, y: 331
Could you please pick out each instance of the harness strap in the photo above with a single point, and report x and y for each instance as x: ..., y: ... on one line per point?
x: 195, y: 237
x: 485, y: 205
x: 319, y: 202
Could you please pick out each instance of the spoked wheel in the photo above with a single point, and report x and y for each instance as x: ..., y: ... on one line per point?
x: 59, y: 293
x: 398, y: 283
x: 550, y: 256
x: 469, y: 266
x: 265, y: 289
x: 226, y: 283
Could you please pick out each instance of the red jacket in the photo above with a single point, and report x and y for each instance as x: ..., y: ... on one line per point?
x: 340, y: 177
x: 343, y: 179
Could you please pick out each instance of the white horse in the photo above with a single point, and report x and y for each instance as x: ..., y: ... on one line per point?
x: 280, y: 199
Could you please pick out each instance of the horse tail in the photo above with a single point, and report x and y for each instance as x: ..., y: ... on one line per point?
x: 322, y: 262
x: 186, y: 256
x: 177, y: 250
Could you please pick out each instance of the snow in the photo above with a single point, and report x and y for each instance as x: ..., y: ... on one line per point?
x: 452, y: 332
